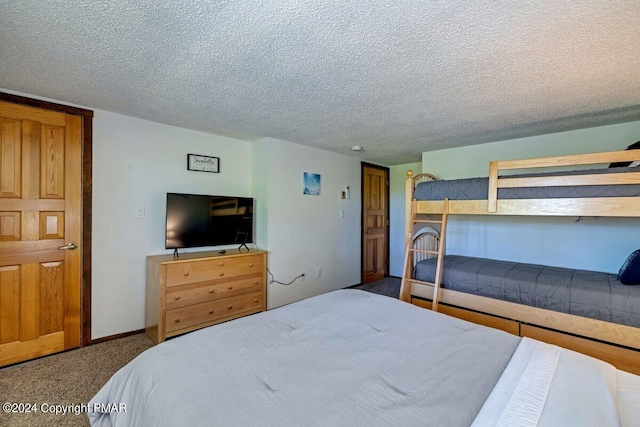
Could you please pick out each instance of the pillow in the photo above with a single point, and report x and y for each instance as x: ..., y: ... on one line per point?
x: 629, y: 273
x: 634, y: 146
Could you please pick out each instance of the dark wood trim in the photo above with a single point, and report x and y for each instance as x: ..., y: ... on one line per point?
x: 117, y: 336
x: 16, y: 99
x: 87, y: 144
x: 386, y: 169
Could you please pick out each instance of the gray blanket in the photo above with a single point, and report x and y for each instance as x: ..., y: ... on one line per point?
x: 345, y: 358
x: 478, y: 188
x: 583, y: 293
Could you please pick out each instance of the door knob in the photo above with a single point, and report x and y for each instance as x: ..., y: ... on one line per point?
x: 69, y: 246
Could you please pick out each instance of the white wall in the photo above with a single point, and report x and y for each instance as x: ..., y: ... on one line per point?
x: 260, y: 170
x: 306, y: 233
x: 600, y: 244
x: 135, y: 163
x: 473, y: 161
x: 397, y: 181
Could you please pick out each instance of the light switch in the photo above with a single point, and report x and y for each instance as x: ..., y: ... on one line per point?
x: 140, y: 213
x: 341, y: 213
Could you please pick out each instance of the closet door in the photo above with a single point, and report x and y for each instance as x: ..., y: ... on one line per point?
x: 40, y: 232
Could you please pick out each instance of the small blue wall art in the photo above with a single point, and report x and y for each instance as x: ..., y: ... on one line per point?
x: 311, y: 184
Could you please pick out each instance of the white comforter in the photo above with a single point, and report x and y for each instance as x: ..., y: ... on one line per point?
x: 350, y: 358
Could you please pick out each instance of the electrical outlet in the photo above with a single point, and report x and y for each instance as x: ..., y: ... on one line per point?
x: 302, y: 277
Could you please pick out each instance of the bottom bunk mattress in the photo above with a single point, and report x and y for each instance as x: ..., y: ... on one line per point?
x: 583, y: 293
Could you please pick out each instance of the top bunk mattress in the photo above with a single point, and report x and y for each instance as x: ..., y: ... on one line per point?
x: 478, y: 188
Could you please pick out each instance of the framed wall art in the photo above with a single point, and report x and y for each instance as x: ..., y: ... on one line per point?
x: 311, y: 184
x: 197, y: 162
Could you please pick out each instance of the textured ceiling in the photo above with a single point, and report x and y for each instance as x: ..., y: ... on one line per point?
x: 398, y: 77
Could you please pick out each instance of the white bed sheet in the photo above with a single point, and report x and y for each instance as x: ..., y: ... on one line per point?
x: 545, y: 385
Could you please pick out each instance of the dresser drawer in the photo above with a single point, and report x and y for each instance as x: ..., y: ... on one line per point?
x: 246, y: 302
x: 236, y: 266
x: 179, y: 297
x: 184, y: 272
x: 185, y: 317
x: 241, y: 286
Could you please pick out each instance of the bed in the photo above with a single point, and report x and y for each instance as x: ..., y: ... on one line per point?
x: 350, y: 358
x: 591, y: 294
x: 612, y: 192
x: 593, y: 192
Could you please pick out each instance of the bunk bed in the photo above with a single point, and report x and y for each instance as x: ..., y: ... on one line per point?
x: 582, y: 191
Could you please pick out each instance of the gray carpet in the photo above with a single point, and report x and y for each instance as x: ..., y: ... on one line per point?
x: 74, y: 377
x: 69, y: 378
x: 389, y: 286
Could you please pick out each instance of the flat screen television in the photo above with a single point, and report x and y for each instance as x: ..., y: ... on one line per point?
x: 195, y: 220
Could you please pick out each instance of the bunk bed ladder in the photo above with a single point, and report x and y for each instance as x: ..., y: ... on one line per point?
x: 407, y: 276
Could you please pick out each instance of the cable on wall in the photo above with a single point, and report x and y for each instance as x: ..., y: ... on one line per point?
x: 273, y: 280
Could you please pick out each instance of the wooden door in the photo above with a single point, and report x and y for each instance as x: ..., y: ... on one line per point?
x: 375, y: 223
x: 40, y: 216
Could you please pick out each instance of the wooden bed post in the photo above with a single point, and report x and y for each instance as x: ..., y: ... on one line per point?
x: 408, y: 197
x: 492, y: 197
x: 405, y: 286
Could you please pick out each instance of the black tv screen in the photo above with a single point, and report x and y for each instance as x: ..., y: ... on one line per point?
x: 195, y: 220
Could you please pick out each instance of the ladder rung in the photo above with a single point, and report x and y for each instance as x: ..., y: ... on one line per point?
x: 428, y: 221
x: 426, y: 251
x: 420, y: 282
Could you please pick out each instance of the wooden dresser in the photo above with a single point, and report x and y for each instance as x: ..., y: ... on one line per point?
x: 200, y: 289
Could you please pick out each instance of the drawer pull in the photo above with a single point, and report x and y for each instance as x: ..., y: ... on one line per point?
x: 177, y: 298
x: 230, y: 287
x: 221, y: 274
x: 250, y: 265
x: 256, y: 282
x: 210, y: 311
x: 230, y: 307
x: 211, y: 291
x: 186, y: 274
x: 255, y: 300
x: 177, y: 320
x: 221, y: 264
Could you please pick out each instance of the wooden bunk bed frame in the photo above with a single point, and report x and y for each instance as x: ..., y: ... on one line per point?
x: 615, y: 343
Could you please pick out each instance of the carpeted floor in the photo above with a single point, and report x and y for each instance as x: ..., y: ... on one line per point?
x: 69, y: 378
x: 389, y: 286
x: 74, y: 377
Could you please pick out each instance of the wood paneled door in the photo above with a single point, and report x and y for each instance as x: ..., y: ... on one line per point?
x: 375, y: 222
x: 40, y: 230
